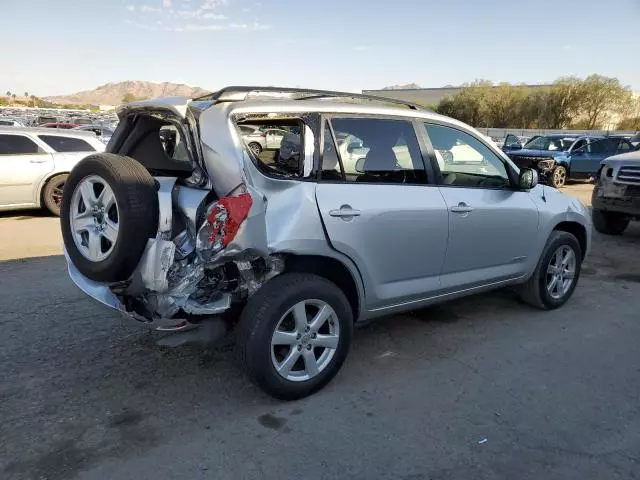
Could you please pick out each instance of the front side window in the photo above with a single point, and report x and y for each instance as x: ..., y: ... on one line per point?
x: 549, y: 143
x: 465, y: 161
x: 624, y: 146
x: 373, y: 150
x: 66, y: 144
x: 18, y: 145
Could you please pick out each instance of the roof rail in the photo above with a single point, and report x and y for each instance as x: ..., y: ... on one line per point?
x: 239, y: 94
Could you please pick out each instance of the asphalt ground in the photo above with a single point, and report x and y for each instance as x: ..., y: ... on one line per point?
x: 479, y: 388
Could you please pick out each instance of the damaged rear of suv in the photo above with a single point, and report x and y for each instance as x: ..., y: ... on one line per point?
x: 181, y: 223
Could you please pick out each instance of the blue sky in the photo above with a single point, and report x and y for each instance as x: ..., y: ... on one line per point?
x: 63, y: 46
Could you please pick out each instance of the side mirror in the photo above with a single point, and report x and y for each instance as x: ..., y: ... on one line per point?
x: 360, y: 165
x: 528, y: 178
x: 352, y: 147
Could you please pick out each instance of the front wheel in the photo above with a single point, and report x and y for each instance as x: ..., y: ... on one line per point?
x: 559, y: 176
x: 294, y: 334
x: 557, y: 273
x: 609, y: 223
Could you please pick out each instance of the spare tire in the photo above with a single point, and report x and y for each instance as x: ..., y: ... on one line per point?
x: 109, y: 210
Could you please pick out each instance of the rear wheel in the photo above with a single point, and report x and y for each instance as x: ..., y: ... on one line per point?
x: 559, y: 176
x: 256, y: 148
x: 294, y: 335
x: 52, y: 193
x: 609, y: 223
x: 109, y: 211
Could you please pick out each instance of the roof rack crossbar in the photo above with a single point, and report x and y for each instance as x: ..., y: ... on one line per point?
x: 238, y: 94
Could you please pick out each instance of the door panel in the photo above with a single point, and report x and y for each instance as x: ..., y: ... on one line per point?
x: 492, y: 234
x: 19, y: 175
x: 396, y: 235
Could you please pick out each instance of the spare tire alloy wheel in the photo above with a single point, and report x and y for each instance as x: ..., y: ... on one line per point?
x: 109, y: 212
x: 94, y: 218
x: 561, y: 272
x: 305, y: 340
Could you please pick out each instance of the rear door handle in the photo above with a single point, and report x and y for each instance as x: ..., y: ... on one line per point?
x: 462, y: 208
x: 345, y: 211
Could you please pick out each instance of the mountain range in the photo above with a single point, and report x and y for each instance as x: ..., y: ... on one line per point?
x: 113, y: 93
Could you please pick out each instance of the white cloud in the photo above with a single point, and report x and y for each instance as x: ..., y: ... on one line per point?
x: 166, y: 3
x: 361, y: 48
x: 213, y: 16
x: 131, y: 8
x: 246, y: 10
x: 149, y: 9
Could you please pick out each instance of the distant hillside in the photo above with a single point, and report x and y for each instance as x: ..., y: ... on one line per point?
x: 408, y: 86
x: 113, y: 93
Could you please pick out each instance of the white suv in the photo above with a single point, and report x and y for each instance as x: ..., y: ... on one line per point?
x: 35, y: 162
x: 380, y: 210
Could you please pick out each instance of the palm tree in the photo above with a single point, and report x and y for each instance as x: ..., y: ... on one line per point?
x: 33, y: 100
x: 26, y: 94
x: 13, y: 96
x: 8, y: 93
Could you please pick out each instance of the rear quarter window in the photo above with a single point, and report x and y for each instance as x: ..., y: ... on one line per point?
x: 66, y: 144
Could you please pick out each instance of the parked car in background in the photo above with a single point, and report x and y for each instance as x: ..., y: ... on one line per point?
x: 616, y: 196
x: 103, y: 133
x: 260, y: 138
x: 561, y: 157
x: 35, y: 162
x: 10, y: 122
x: 62, y: 125
x: 305, y: 253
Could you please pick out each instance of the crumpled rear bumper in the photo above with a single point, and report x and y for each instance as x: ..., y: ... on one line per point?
x: 103, y: 294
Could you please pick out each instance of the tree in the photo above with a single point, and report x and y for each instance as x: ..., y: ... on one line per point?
x: 26, y: 94
x: 13, y: 96
x: 601, y: 95
x: 8, y: 93
x: 130, y: 97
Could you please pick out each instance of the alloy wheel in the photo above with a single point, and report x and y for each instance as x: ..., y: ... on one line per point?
x: 561, y: 272
x: 305, y: 340
x: 94, y: 218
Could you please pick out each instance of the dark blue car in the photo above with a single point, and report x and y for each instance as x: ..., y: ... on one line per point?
x: 561, y: 157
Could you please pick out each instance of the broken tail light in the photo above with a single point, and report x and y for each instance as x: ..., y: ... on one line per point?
x: 225, y: 219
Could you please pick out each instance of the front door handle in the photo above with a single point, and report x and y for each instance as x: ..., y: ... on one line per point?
x: 345, y: 211
x: 462, y: 208
x: 37, y: 161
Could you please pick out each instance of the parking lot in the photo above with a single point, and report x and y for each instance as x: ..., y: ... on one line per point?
x: 479, y: 388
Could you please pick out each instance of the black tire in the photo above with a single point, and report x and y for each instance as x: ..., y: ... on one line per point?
x: 260, y: 319
x: 137, y: 200
x: 534, y: 291
x: 255, y: 148
x: 609, y: 223
x: 559, y: 177
x: 52, y: 193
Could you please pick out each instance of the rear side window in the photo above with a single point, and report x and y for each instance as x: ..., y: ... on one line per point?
x: 276, y: 146
x: 605, y: 145
x: 373, y: 150
x: 66, y: 144
x: 18, y: 145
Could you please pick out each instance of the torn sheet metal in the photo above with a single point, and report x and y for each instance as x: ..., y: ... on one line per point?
x: 185, y: 244
x: 165, y: 202
x: 156, y: 260
x: 250, y: 239
x: 210, y: 308
x: 188, y: 201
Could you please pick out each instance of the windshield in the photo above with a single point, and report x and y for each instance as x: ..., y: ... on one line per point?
x: 550, y: 143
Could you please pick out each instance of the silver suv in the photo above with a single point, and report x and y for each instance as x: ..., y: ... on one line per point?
x: 385, y: 209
